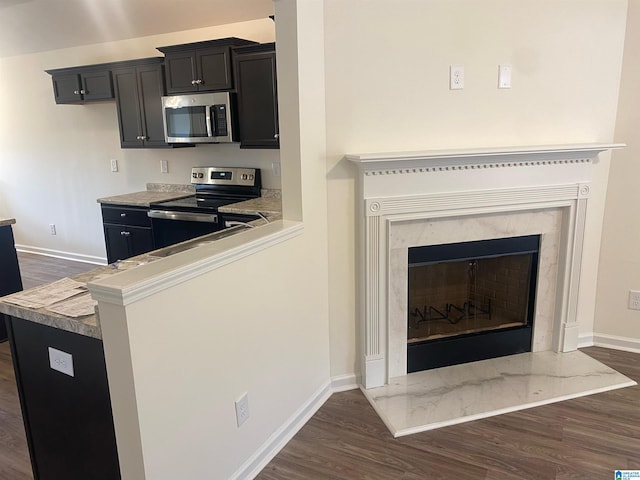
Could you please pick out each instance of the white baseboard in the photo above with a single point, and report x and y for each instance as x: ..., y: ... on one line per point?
x: 282, y: 435
x: 342, y: 383
x: 614, y: 342
x: 76, y: 257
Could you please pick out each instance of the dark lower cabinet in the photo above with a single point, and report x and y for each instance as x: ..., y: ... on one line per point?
x: 10, y: 281
x: 255, y: 71
x: 68, y: 419
x: 127, y: 232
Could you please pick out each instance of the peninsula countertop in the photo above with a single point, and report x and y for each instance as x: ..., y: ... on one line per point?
x: 6, y: 221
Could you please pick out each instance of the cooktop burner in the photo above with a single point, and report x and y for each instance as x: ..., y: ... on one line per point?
x: 196, y: 202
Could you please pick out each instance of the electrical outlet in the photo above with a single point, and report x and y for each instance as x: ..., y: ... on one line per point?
x: 114, y: 165
x: 52, y: 228
x: 164, y: 166
x: 275, y: 167
x: 456, y: 77
x: 242, y: 409
x: 634, y: 300
x: 61, y: 361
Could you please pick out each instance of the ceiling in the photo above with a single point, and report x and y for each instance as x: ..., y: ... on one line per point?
x: 29, y: 26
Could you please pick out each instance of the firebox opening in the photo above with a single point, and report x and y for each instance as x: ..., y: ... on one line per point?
x: 470, y: 301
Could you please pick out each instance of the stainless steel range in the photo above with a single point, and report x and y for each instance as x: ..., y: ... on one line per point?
x: 190, y: 217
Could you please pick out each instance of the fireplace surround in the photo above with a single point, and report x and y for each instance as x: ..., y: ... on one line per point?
x: 438, y: 197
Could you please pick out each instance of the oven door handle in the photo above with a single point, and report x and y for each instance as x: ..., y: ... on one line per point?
x: 183, y: 216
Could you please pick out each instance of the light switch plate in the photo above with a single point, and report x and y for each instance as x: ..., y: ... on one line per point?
x: 61, y: 361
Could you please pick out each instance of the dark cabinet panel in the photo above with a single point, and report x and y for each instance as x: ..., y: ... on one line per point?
x: 139, y: 88
x: 201, y: 66
x: 68, y: 419
x: 10, y: 281
x: 181, y: 72
x: 255, y: 71
x: 127, y: 232
x: 82, y: 84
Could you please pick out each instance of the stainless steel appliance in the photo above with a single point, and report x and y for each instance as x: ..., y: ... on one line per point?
x: 200, y: 118
x: 186, y: 218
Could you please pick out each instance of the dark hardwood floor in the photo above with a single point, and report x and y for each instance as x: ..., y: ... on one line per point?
x: 585, y: 438
x: 38, y: 269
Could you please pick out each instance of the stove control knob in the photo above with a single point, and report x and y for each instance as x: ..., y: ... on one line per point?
x: 194, y: 175
x: 201, y: 175
x: 250, y: 176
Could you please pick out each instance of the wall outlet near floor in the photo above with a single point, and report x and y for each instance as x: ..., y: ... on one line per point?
x: 634, y: 300
x: 242, y: 409
x: 114, y: 165
x: 275, y: 167
x: 164, y: 166
x: 52, y: 228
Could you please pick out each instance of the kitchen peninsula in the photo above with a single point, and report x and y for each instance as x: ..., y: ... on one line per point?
x: 60, y: 361
x: 10, y: 280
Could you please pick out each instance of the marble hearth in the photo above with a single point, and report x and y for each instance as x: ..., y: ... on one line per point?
x: 435, y: 197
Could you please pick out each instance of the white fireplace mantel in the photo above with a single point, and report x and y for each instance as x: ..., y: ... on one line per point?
x: 414, y: 198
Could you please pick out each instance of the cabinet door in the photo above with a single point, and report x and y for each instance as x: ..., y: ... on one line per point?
x: 151, y: 89
x: 180, y: 69
x: 257, y: 100
x: 128, y: 103
x: 117, y: 242
x: 68, y: 419
x: 214, y: 69
x: 97, y: 85
x: 66, y: 88
x: 140, y: 240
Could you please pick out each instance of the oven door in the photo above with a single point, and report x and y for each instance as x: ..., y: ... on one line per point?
x: 170, y: 227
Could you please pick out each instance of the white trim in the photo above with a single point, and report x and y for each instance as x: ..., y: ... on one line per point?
x: 126, y: 294
x: 276, y: 442
x: 76, y: 257
x: 342, y: 383
x: 614, y: 342
x: 585, y: 340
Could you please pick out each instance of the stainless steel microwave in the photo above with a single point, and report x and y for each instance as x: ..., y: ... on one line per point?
x: 199, y: 118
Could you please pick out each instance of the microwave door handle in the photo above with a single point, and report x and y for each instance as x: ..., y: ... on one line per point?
x: 211, y: 125
x: 211, y: 128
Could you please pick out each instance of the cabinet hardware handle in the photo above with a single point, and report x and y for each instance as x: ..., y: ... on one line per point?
x: 76, y: 92
x: 126, y: 234
x: 83, y: 92
x: 194, y: 82
x: 123, y: 214
x: 276, y: 136
x: 199, y: 82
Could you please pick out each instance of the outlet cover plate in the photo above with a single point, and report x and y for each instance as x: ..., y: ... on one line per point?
x: 61, y: 361
x: 242, y: 409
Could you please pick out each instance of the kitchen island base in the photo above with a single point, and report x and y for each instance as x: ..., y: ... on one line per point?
x: 68, y: 419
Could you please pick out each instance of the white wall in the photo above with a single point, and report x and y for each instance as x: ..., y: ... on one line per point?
x: 387, y: 69
x: 54, y: 159
x: 620, y: 255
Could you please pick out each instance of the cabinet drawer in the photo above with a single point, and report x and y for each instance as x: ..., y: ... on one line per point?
x: 126, y: 216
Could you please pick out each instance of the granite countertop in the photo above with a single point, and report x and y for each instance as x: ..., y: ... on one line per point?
x: 6, y: 221
x: 268, y: 206
x: 87, y: 325
x: 155, y: 192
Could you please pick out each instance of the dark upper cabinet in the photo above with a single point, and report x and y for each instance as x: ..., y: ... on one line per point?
x: 256, y: 84
x: 139, y: 86
x: 127, y: 231
x: 82, y: 84
x: 200, y: 66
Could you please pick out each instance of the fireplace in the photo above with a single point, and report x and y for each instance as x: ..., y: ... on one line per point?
x: 423, y: 199
x: 470, y: 301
